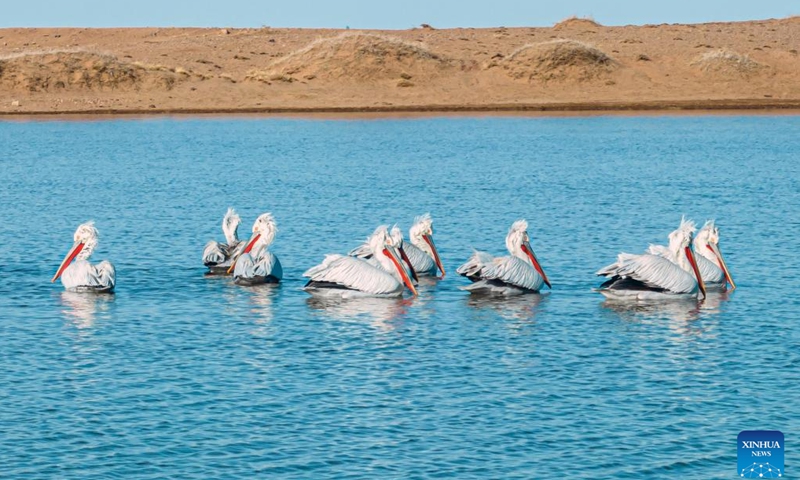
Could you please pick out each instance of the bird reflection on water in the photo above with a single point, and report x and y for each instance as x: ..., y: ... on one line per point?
x: 82, y: 309
x: 515, y: 307
x: 382, y: 312
x: 684, y: 316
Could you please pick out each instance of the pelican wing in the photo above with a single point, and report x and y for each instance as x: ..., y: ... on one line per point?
x: 710, y: 271
x: 82, y: 274
x: 513, y: 271
x: 652, y: 270
x: 473, y: 267
x: 266, y: 264
x: 422, y: 262
x: 361, y: 251
x: 354, y: 273
x: 216, y: 253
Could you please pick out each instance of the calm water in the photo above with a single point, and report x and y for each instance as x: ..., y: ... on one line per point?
x: 183, y: 376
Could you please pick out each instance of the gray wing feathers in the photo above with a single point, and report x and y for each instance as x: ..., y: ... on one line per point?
x: 654, y: 271
x: 422, y: 262
x: 475, y: 264
x: 513, y: 271
x: 354, y: 273
x: 266, y: 265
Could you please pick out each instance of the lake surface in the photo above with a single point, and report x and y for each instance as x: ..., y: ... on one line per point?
x: 183, y: 376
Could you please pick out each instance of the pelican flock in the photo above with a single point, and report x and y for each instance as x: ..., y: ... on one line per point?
x: 385, y: 265
x: 672, y: 273
x: 75, y: 271
x: 710, y: 262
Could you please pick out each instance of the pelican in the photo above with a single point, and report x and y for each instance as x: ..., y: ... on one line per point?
x: 710, y: 261
x: 365, y: 252
x: 77, y: 274
x: 255, y: 264
x: 421, y: 250
x: 512, y: 275
x: 649, y: 276
x: 420, y: 254
x: 217, y: 256
x: 349, y: 277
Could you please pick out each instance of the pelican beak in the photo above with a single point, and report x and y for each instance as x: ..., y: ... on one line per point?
x: 403, y: 274
x: 436, y: 259
x: 73, y: 252
x: 700, y: 283
x: 247, y: 249
x: 408, y: 262
x: 526, y: 247
x: 714, y: 248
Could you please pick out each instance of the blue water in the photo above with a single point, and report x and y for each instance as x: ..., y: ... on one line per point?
x: 183, y: 376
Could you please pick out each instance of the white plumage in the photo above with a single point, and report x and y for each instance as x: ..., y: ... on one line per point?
x: 347, y: 276
x: 257, y: 264
x: 218, y: 256
x: 75, y: 271
x: 511, y: 275
x: 656, y: 276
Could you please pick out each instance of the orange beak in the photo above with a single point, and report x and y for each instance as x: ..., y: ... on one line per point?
x: 408, y: 262
x: 693, y: 262
x: 247, y: 249
x: 400, y: 269
x: 714, y: 248
x: 74, y: 251
x: 526, y: 247
x: 436, y: 259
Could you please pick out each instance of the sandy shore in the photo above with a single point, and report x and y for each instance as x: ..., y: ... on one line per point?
x: 576, y: 65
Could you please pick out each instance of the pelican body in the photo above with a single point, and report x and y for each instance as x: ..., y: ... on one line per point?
x: 256, y: 264
x: 218, y: 256
x: 650, y: 276
x: 75, y: 271
x: 512, y: 275
x: 345, y: 276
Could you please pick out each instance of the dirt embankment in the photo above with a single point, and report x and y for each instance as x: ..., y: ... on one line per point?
x: 576, y: 64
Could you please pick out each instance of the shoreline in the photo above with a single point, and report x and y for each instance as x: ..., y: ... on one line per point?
x: 655, y: 108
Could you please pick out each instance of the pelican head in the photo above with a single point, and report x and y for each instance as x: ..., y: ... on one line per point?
x: 85, y: 238
x: 396, y: 237
x: 421, y: 234
x: 230, y: 226
x: 383, y: 248
x: 680, y: 241
x: 264, y: 230
x: 706, y: 243
x: 518, y: 244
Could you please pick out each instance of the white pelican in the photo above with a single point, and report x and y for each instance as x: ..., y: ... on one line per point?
x: 217, y: 256
x: 80, y: 275
x: 421, y: 250
x: 420, y: 254
x: 349, y: 277
x: 256, y: 264
x: 649, y: 276
x: 710, y: 261
x: 518, y: 273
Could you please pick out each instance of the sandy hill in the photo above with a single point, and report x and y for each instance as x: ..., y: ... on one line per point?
x: 68, y: 70
x: 359, y: 58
